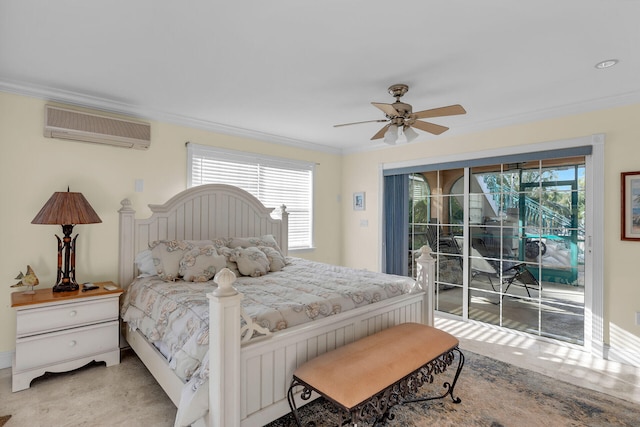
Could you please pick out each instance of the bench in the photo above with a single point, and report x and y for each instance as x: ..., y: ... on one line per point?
x: 367, y: 377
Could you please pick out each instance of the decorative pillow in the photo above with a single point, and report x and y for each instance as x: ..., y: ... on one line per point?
x: 201, y: 264
x: 231, y: 264
x: 193, y: 243
x: 144, y: 262
x: 167, y: 255
x: 251, y: 261
x: 248, y: 242
x: 276, y: 260
x: 218, y: 243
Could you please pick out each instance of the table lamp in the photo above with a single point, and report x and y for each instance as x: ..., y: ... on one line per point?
x: 66, y: 209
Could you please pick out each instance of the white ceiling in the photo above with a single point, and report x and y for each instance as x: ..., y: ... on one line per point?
x: 288, y: 70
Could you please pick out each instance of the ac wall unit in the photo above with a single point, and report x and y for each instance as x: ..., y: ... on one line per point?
x: 75, y: 125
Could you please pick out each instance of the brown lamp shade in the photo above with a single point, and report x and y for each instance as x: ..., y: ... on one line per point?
x: 66, y: 208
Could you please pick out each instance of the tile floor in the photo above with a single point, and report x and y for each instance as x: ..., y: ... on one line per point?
x: 564, y: 362
x: 127, y: 395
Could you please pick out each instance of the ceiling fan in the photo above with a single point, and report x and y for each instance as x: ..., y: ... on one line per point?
x: 400, y: 117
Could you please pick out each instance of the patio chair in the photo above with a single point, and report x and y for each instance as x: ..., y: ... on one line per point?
x: 480, y: 266
x: 524, y: 276
x: 439, y: 241
x: 444, y: 243
x: 516, y: 274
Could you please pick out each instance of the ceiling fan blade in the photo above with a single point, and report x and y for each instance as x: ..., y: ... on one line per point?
x: 429, y: 127
x: 357, y: 123
x: 386, y: 108
x: 451, y: 110
x: 381, y: 132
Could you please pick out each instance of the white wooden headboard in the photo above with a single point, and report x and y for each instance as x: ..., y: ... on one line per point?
x: 198, y: 213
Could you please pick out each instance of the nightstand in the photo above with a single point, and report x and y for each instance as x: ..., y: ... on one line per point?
x: 61, y: 331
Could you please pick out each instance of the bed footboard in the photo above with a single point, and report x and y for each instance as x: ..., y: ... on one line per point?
x: 248, y: 383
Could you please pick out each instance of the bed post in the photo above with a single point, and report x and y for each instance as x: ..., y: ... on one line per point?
x: 426, y: 281
x: 126, y: 253
x: 224, y: 352
x: 284, y: 230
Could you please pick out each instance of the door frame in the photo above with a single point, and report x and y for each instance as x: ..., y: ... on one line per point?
x: 594, y: 223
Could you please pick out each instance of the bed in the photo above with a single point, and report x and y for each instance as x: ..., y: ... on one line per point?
x: 249, y: 366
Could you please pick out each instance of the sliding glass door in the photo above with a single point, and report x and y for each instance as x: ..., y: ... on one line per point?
x: 509, y: 241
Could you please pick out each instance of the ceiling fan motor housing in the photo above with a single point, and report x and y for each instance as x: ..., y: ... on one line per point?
x: 404, y: 116
x: 404, y: 110
x: 398, y: 90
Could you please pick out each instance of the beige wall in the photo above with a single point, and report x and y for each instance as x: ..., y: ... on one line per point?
x: 622, y: 153
x: 32, y: 168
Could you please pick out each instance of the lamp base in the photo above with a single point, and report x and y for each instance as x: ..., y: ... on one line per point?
x: 67, y: 275
x: 66, y: 287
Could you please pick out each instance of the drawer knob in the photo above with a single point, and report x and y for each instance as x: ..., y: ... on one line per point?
x: 72, y: 313
x: 72, y: 343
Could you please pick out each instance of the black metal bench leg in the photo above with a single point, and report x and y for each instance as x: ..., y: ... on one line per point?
x: 455, y: 378
x: 447, y: 385
x: 306, y: 393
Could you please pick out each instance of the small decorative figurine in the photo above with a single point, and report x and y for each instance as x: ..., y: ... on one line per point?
x: 30, y: 279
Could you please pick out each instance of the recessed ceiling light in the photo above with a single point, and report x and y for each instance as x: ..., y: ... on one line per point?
x: 606, y: 64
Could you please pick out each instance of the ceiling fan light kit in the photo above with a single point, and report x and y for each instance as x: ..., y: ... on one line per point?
x: 400, y: 115
x: 409, y: 133
x: 395, y: 133
x: 391, y: 135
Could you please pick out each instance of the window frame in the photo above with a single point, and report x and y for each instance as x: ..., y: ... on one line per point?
x: 259, y: 161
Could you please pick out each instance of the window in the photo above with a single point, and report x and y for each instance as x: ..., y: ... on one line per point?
x: 274, y: 181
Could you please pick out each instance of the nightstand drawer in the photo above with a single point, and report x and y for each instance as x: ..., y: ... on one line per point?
x: 59, y: 347
x: 61, y: 316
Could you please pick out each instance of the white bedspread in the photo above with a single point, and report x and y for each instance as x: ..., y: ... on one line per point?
x: 175, y: 315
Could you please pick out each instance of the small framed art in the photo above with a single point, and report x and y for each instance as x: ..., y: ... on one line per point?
x: 358, y: 201
x: 630, y: 200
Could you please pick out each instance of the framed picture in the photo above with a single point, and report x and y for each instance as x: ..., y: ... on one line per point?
x: 358, y: 201
x: 630, y: 198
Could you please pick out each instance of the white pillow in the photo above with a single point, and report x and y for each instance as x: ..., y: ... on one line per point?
x: 144, y: 262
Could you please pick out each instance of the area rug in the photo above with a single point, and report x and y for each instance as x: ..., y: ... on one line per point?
x: 4, y: 419
x: 494, y: 394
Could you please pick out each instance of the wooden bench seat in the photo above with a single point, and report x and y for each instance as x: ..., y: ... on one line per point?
x: 369, y: 376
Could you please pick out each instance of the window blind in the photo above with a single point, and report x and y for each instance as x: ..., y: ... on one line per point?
x: 274, y: 181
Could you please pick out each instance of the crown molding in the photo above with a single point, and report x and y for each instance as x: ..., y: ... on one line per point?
x: 94, y: 102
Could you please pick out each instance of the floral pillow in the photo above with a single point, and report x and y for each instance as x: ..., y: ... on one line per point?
x: 201, y: 264
x: 251, y: 261
x: 220, y: 242
x: 248, y: 242
x: 229, y: 257
x: 276, y: 260
x: 167, y: 255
